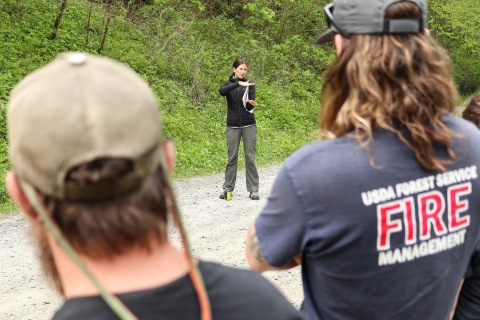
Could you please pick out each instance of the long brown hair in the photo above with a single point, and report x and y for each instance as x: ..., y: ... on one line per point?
x: 394, y: 82
x: 109, y: 228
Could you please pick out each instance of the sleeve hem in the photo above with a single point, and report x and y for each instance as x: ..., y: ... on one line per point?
x: 265, y: 251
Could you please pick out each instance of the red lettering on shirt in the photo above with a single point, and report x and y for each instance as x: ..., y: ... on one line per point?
x: 410, y: 221
x: 386, y: 225
x: 431, y: 208
x: 457, y: 206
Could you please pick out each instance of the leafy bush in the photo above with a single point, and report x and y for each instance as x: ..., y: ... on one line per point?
x: 456, y: 27
x: 5, y: 202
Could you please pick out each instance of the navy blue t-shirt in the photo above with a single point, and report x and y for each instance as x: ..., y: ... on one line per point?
x: 385, y: 241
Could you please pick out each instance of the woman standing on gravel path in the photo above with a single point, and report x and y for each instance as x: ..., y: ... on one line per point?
x: 241, y: 123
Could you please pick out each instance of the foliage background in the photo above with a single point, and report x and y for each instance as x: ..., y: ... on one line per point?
x: 185, y: 48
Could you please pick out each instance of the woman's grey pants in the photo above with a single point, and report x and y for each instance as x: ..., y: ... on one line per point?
x: 249, y: 137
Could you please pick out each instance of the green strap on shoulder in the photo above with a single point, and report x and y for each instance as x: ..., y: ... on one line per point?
x: 205, y: 308
x: 112, y: 301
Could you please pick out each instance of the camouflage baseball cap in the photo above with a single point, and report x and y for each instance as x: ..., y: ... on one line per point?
x: 77, y: 109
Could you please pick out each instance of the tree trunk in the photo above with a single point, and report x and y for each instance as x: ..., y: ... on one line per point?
x: 57, y: 21
x: 104, y: 34
x: 88, y: 23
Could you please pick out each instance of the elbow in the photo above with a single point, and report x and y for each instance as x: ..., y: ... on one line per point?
x: 253, y: 263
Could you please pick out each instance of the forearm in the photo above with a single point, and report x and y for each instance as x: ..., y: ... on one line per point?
x: 251, y: 97
x: 224, y: 90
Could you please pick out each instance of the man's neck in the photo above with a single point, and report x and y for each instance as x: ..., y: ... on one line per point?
x: 133, y: 271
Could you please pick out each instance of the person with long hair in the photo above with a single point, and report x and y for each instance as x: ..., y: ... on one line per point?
x: 241, y: 124
x: 383, y: 214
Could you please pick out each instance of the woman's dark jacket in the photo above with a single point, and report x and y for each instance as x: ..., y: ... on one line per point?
x: 237, y: 116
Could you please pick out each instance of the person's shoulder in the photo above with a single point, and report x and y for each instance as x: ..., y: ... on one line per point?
x: 319, y: 149
x: 244, y: 280
x: 462, y: 126
x: 92, y: 307
x: 243, y: 294
x: 229, y: 81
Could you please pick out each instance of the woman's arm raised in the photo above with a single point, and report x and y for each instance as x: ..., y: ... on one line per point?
x: 226, y: 87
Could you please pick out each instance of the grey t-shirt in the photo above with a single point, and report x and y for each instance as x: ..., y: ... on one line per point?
x: 389, y: 241
x: 234, y: 295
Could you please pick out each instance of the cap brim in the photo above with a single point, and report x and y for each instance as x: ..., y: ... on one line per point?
x: 326, y: 36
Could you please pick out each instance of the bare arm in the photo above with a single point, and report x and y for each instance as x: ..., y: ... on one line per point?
x: 255, y: 257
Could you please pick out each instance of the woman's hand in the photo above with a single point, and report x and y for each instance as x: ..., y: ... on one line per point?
x: 245, y: 83
x: 253, y: 103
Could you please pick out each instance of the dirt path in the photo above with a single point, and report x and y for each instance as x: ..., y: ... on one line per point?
x: 217, y: 230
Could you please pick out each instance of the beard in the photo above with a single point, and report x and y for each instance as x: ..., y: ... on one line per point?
x: 38, y: 234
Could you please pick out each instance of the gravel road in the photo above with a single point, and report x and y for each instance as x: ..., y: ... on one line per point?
x: 217, y: 230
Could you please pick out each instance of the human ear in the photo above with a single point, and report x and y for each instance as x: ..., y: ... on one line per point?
x: 169, y: 149
x: 338, y: 40
x: 17, y: 194
x: 427, y: 31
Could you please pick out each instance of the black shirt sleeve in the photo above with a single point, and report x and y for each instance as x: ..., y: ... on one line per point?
x: 282, y: 225
x: 468, y: 306
x: 251, y: 96
x: 226, y: 87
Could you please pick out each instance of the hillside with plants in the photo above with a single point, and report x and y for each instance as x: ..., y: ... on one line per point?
x: 184, y: 50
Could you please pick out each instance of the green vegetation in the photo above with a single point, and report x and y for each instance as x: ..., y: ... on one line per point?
x: 184, y: 49
x: 456, y: 25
